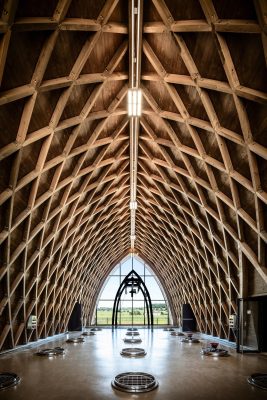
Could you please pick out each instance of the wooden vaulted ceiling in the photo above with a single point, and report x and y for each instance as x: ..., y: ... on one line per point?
x: 64, y: 156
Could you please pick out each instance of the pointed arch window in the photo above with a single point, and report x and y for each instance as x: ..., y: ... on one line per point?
x: 132, y: 305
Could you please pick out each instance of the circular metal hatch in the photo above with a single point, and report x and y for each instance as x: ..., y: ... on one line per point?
x: 132, y: 329
x: 190, y: 340
x: 133, y: 352
x: 210, y: 351
x: 75, y: 340
x: 8, y: 379
x: 85, y: 333
x: 135, y: 382
x: 133, y: 333
x: 132, y: 340
x: 258, y: 380
x: 51, y: 352
x: 177, y: 333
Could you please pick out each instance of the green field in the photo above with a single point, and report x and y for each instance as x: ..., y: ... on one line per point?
x: 125, y: 317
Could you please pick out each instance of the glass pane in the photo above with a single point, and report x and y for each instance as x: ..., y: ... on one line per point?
x: 110, y: 290
x: 160, y: 313
x: 126, y: 267
x: 136, y: 296
x: 125, y: 315
x: 129, y: 315
x: 148, y: 271
x: 116, y: 270
x: 153, y: 288
x: 104, y: 313
x: 139, y: 267
x: 138, y: 312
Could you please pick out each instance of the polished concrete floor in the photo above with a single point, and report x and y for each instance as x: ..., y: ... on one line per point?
x: 86, y: 370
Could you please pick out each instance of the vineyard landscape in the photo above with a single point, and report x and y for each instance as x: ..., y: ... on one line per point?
x: 126, y: 315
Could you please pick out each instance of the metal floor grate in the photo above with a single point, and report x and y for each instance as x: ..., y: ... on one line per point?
x: 51, y: 352
x: 133, y: 333
x: 190, y: 340
x: 210, y: 351
x: 177, y: 333
x: 258, y: 380
x: 88, y: 333
x: 133, y: 352
x: 132, y: 340
x: 75, y: 340
x: 135, y: 382
x: 8, y: 379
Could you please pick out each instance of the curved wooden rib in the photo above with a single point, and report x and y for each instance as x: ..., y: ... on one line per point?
x: 64, y: 160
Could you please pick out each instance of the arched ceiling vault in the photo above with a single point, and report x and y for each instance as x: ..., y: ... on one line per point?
x: 64, y: 156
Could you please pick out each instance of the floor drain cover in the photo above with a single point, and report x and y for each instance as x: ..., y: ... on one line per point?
x: 96, y: 329
x: 169, y: 329
x: 133, y: 352
x: 132, y: 340
x: 190, y: 340
x: 135, y: 382
x: 210, y: 351
x: 177, y: 333
x: 133, y: 333
x: 51, y: 352
x: 258, y: 380
x: 88, y: 333
x: 132, y: 329
x: 75, y: 340
x: 8, y: 379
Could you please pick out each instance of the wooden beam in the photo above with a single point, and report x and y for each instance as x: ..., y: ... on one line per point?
x: 3, y: 52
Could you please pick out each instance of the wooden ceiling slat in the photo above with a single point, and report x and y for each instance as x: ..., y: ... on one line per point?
x: 65, y: 170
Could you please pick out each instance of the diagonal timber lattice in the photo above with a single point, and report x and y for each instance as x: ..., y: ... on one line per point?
x: 64, y: 156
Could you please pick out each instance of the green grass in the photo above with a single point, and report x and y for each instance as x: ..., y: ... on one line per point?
x: 104, y: 317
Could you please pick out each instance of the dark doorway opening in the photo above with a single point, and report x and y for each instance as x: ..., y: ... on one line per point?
x: 189, y: 321
x: 252, y: 325
x: 75, y: 321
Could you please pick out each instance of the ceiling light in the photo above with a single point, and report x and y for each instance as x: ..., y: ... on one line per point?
x: 134, y: 102
x: 132, y: 237
x: 133, y: 205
